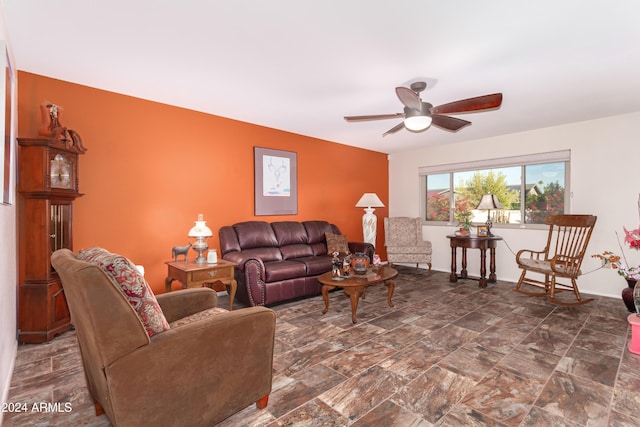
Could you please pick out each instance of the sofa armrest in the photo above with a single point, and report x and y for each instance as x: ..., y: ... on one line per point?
x: 220, y: 365
x: 250, y: 271
x: 238, y: 257
x: 254, y: 278
x: 178, y: 304
x: 241, y: 259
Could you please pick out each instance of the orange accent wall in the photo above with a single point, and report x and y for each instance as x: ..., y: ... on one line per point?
x: 151, y: 168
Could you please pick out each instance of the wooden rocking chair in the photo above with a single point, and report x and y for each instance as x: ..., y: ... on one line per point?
x: 566, y: 245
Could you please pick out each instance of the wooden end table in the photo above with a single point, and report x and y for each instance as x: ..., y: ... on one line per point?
x: 194, y: 275
x: 354, y: 286
x: 475, y: 242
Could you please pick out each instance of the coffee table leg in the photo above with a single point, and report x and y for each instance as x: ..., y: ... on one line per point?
x: 390, y: 286
x: 325, y: 296
x: 354, y: 296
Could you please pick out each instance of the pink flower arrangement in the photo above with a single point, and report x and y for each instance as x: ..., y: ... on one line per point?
x: 632, y: 238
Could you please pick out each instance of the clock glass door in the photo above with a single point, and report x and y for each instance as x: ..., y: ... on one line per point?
x: 60, y: 227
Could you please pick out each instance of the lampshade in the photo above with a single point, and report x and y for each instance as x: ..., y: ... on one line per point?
x: 489, y: 201
x: 369, y: 200
x: 200, y: 229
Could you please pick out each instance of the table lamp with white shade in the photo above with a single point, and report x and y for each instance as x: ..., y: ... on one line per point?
x: 369, y: 201
x: 200, y: 231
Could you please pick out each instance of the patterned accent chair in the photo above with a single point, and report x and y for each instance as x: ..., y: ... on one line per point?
x: 404, y: 242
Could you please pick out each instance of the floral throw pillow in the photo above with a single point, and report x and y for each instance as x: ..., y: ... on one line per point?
x: 336, y: 243
x: 124, y: 274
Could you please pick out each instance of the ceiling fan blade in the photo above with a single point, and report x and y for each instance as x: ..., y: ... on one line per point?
x: 394, y: 129
x: 373, y: 117
x: 449, y: 123
x: 409, y: 98
x: 471, y: 104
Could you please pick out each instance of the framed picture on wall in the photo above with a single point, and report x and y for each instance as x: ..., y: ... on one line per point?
x: 276, y: 182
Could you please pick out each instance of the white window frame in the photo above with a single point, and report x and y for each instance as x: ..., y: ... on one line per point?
x: 520, y: 161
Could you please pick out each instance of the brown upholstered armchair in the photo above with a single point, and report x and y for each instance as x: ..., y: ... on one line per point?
x: 208, y: 364
x: 404, y: 242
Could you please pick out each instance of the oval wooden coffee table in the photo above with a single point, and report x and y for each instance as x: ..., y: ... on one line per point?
x: 355, y: 284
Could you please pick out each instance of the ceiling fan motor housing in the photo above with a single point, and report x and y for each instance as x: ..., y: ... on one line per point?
x: 418, y: 120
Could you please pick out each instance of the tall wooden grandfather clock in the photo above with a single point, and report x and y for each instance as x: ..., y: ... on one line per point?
x: 47, y: 187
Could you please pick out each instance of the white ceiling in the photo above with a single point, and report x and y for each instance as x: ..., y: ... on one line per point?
x: 301, y: 65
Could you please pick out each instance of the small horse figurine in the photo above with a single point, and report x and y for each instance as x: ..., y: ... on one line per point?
x: 180, y: 250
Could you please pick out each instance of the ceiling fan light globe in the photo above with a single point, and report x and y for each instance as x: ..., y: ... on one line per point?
x: 417, y: 123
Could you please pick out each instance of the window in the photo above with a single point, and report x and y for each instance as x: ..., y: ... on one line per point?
x: 529, y: 189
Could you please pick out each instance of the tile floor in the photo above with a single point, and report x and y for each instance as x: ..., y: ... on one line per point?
x: 448, y: 354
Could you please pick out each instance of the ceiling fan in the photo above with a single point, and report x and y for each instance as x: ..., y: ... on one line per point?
x: 419, y: 115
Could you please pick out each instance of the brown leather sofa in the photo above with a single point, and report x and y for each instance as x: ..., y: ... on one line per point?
x: 206, y: 365
x: 280, y: 261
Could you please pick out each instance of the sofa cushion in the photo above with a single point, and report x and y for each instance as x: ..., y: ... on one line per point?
x: 337, y: 243
x: 316, y: 265
x: 316, y: 231
x: 255, y: 234
x: 126, y: 277
x: 283, y: 270
x: 228, y: 240
x: 289, y: 233
x: 295, y: 251
x: 264, y: 254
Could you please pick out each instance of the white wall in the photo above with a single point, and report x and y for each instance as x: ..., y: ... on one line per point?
x: 8, y: 261
x: 604, y: 182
